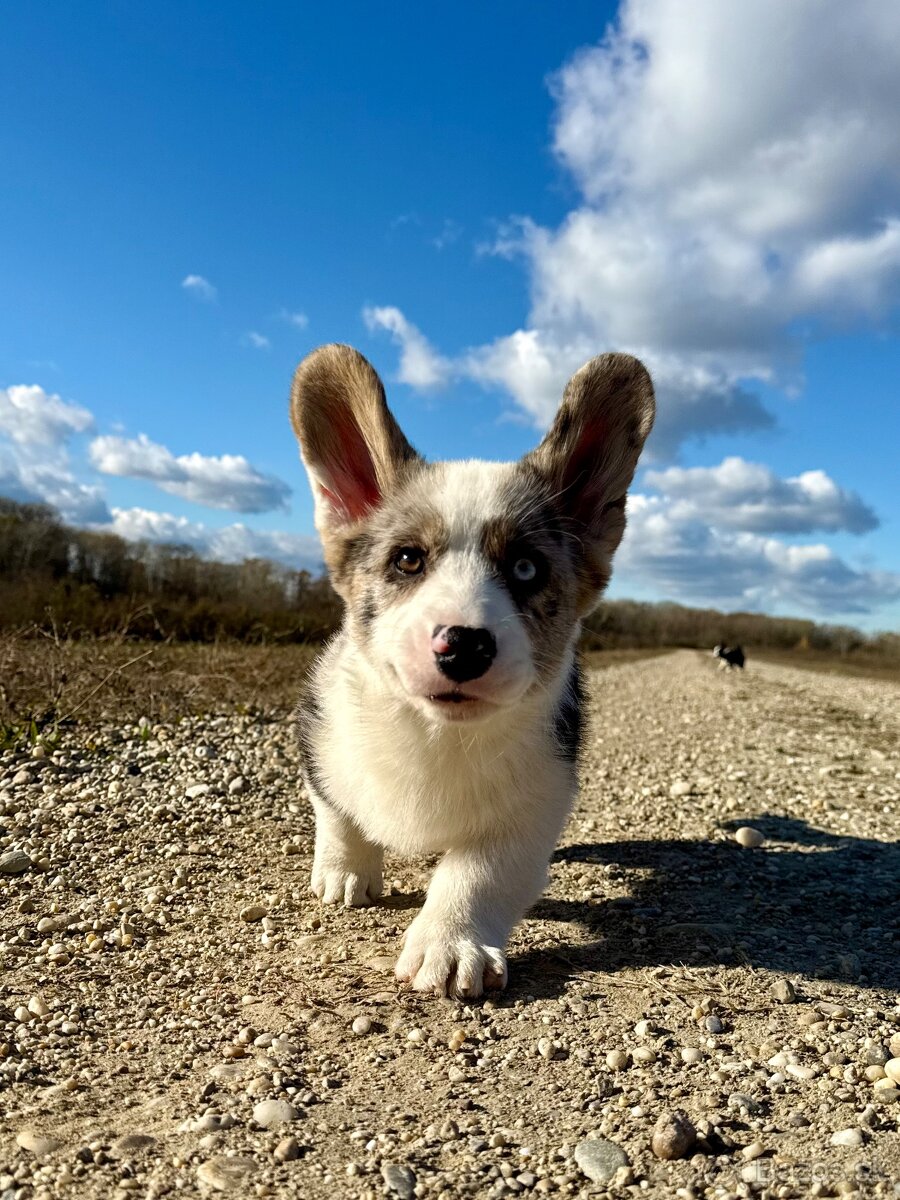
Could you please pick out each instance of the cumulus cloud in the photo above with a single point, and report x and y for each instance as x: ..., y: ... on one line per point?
x: 420, y: 364
x: 227, y: 481
x: 748, y: 496
x: 30, y: 416
x: 230, y: 543
x: 51, y: 482
x: 36, y: 428
x: 687, y: 559
x: 197, y: 286
x: 739, y: 176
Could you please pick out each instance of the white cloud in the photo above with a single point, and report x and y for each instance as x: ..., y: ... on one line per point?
x: 50, y: 482
x: 748, y: 496
x: 258, y: 341
x: 739, y: 171
x: 227, y: 481
x: 687, y: 559
x: 35, y: 429
x: 299, y: 320
x: 231, y: 543
x: 30, y: 416
x: 199, y: 287
x: 420, y: 364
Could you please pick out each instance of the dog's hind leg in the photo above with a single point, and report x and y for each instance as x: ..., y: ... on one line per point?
x: 347, y: 868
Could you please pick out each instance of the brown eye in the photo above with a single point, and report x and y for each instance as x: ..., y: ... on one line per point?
x: 410, y: 561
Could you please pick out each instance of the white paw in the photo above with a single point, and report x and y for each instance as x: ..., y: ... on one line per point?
x: 354, y: 884
x: 448, y: 962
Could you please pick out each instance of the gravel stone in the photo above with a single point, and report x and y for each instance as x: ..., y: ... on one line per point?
x: 252, y: 912
x: 14, y: 862
x: 227, y: 1174
x: 600, y: 1159
x: 399, y: 1179
x: 673, y: 1136
x: 270, y: 1114
x: 748, y: 837
x: 848, y: 1137
x: 287, y: 1150
x: 783, y: 991
x: 38, y: 1144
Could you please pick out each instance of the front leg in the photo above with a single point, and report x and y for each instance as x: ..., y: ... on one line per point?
x: 457, y: 943
x: 347, y: 868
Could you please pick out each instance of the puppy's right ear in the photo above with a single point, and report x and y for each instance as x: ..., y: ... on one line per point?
x: 353, y: 449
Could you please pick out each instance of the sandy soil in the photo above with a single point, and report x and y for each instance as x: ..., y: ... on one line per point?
x: 179, y: 1016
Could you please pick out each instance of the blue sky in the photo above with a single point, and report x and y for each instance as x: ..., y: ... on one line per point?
x: 197, y: 195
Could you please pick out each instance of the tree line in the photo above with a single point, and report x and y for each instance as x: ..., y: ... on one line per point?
x: 84, y: 583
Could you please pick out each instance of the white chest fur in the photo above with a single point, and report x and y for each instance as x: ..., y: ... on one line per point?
x: 420, y: 788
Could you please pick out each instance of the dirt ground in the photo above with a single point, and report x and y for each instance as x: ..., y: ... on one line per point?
x: 178, y: 1016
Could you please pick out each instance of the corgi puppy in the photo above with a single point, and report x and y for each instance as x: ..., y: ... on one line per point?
x: 446, y: 714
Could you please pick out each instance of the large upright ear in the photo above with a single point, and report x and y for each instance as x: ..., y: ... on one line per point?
x: 353, y: 449
x: 590, y: 454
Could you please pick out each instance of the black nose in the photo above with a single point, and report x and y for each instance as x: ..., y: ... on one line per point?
x: 471, y: 653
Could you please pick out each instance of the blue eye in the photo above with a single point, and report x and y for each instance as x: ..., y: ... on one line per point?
x: 524, y: 570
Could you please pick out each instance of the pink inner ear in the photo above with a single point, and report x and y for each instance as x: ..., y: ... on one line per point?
x: 352, y: 487
x: 583, y: 469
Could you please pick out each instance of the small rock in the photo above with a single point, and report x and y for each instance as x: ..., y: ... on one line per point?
x: 753, y: 1151
x: 399, y: 1179
x: 39, y: 1144
x: 237, y: 785
x: 783, y: 991
x: 680, y: 788
x: 600, y: 1159
x: 617, y: 1060
x: 748, y: 837
x: 713, y: 1024
x: 848, y: 1137
x: 272, y: 1113
x: 38, y: 1006
x: 362, y: 1025
x: 14, y: 862
x: 287, y: 1150
x: 252, y: 912
x: 673, y: 1136
x: 194, y: 792
x: 690, y: 1054
x: 227, y: 1174
x: 892, y: 1070
x: 131, y: 1143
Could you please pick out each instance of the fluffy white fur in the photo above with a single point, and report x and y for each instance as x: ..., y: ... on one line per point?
x: 485, y: 783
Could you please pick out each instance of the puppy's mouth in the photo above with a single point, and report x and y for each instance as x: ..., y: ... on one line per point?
x: 452, y: 698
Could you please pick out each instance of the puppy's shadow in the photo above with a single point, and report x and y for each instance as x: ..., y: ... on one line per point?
x: 807, y: 903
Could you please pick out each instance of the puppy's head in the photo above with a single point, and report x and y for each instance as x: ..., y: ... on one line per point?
x: 465, y: 582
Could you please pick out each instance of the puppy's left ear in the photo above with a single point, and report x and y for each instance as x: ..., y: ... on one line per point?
x: 590, y: 454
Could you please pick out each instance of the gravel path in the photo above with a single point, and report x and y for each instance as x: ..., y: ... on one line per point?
x: 693, y: 1010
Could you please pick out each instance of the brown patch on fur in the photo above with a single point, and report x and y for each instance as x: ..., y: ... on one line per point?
x: 362, y: 560
x: 533, y: 525
x: 589, y: 458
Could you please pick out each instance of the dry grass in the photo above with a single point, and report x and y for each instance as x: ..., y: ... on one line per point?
x: 47, y: 682
x: 853, y: 666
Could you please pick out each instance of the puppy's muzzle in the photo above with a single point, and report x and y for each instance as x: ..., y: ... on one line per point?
x: 462, y: 653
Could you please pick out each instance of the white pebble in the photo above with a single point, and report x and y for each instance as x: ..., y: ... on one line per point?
x: 748, y: 837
